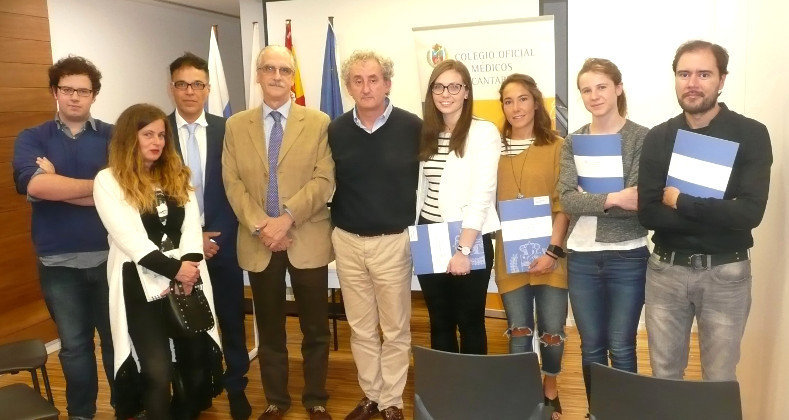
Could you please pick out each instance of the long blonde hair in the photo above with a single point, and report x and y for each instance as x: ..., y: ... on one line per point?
x: 125, y: 161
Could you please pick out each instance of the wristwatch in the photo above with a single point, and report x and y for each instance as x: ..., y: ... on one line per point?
x: 465, y: 250
x: 557, y: 250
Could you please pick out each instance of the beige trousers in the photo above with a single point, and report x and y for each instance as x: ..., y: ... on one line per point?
x: 375, y: 279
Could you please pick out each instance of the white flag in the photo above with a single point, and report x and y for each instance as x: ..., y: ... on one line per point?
x: 255, y: 96
x: 218, y: 97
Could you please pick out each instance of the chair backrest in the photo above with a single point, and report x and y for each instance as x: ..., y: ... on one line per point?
x: 623, y: 395
x: 463, y: 386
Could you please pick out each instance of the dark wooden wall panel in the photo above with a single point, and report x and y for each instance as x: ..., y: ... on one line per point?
x: 14, y: 25
x: 25, y: 7
x: 25, y: 101
x: 23, y: 75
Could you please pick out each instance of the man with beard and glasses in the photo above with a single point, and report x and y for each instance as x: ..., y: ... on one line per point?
x: 700, y: 266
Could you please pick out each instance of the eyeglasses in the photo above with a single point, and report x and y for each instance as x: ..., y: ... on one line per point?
x: 285, y: 71
x: 196, y: 85
x: 453, y: 88
x: 68, y: 91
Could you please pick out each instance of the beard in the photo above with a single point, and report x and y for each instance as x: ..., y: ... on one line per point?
x: 706, y: 104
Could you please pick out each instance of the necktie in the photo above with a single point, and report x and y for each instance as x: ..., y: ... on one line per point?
x: 274, y: 144
x: 193, y: 161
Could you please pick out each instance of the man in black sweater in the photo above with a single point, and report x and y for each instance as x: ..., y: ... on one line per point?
x: 700, y: 266
x: 375, y: 147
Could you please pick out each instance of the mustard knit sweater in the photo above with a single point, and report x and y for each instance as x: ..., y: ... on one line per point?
x: 535, y: 172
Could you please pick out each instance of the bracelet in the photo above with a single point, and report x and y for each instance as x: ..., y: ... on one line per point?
x: 557, y: 250
x: 548, y: 253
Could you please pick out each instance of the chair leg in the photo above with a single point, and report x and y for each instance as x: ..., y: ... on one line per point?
x: 34, y: 377
x: 334, y: 319
x: 46, y: 384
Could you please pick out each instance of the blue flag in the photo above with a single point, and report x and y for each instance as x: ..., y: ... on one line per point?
x: 331, y: 98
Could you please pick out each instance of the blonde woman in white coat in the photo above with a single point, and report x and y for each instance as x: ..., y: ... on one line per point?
x: 459, y: 157
x: 150, y: 212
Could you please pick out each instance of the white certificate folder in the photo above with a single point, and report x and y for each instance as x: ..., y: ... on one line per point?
x: 598, y: 162
x: 526, y: 229
x: 701, y: 165
x: 433, y: 245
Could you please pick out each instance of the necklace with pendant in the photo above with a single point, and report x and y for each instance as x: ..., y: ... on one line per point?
x: 519, y: 178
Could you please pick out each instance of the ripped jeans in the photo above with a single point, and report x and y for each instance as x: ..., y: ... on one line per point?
x: 551, y: 305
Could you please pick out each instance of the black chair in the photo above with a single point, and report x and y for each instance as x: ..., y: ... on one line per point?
x: 19, y: 401
x: 464, y: 386
x: 623, y: 395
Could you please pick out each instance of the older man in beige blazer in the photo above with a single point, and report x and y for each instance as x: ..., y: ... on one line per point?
x: 278, y: 174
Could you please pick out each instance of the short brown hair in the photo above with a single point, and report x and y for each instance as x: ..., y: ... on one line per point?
x: 72, y: 65
x: 720, y: 53
x: 608, y: 68
x: 189, y: 60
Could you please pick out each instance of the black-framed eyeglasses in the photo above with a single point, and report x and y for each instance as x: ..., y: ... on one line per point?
x: 453, y: 88
x: 268, y: 69
x: 68, y: 91
x: 196, y: 85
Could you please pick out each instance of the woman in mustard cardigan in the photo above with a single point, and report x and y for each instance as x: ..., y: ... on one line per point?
x: 529, y: 167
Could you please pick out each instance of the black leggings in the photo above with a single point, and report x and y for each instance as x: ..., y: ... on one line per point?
x: 150, y: 338
x: 457, y: 304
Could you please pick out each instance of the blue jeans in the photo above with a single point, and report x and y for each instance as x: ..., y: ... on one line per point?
x: 78, y: 301
x: 607, y: 294
x: 719, y: 298
x: 551, y: 305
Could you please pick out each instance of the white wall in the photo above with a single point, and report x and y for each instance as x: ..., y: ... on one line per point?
x: 384, y: 26
x: 641, y: 38
x: 133, y: 42
x: 250, y: 11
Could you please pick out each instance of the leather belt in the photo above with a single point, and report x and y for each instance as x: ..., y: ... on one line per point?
x: 379, y: 233
x: 698, y: 261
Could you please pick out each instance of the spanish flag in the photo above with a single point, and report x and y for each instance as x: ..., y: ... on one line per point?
x: 298, y: 88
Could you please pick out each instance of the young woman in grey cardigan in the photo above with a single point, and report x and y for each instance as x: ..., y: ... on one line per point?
x: 608, y: 255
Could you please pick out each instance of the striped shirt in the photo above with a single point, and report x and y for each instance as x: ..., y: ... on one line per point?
x: 516, y: 146
x: 433, y: 169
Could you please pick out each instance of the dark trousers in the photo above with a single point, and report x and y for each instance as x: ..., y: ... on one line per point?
x: 150, y: 338
x: 457, y: 304
x: 78, y: 301
x: 227, y: 280
x: 310, y: 290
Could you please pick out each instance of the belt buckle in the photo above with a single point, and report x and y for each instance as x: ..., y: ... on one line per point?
x: 698, y: 261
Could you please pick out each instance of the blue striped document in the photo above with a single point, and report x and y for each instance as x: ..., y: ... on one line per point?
x: 433, y: 245
x: 701, y: 165
x: 598, y: 162
x: 526, y: 229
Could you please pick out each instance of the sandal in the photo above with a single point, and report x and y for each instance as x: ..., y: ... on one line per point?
x: 557, y: 407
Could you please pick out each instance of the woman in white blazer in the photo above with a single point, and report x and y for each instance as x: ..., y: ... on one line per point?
x: 459, y: 157
x: 150, y: 212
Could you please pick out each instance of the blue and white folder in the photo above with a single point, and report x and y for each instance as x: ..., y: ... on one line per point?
x: 526, y: 229
x: 701, y: 165
x: 433, y: 245
x: 598, y: 162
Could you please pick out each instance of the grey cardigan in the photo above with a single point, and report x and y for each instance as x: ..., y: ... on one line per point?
x: 614, y: 224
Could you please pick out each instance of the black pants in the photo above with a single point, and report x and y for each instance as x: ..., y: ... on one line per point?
x: 457, y: 304
x: 310, y: 288
x: 150, y: 338
x: 227, y: 282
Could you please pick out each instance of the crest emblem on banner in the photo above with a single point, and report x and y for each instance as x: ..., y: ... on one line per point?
x: 436, y: 55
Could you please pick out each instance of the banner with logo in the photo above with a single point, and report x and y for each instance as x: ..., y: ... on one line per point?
x: 492, y: 51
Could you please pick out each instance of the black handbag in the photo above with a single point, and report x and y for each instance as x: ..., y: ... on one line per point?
x: 190, y: 314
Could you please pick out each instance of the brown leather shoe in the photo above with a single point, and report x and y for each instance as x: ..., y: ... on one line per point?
x: 272, y: 413
x: 318, y: 413
x: 365, y: 410
x: 392, y: 413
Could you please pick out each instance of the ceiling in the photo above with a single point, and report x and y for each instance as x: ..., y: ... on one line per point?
x: 226, y: 7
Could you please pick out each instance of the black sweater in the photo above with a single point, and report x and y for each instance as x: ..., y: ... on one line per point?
x: 376, y: 173
x: 707, y: 225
